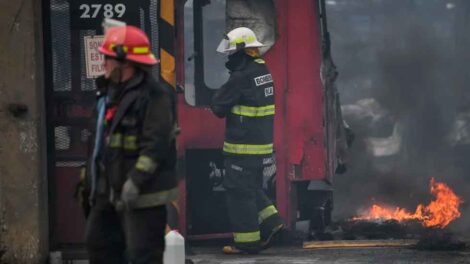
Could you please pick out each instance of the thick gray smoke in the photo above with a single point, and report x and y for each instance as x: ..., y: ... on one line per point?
x: 405, y: 92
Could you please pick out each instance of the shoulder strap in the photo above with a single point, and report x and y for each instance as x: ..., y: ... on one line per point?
x: 124, y: 105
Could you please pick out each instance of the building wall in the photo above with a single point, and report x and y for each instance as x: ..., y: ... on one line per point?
x: 23, y: 181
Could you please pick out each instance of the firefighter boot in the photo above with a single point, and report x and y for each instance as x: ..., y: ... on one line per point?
x: 234, y: 250
x: 266, y: 242
x: 270, y: 224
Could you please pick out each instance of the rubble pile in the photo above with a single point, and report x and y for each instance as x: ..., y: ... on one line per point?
x: 438, y: 239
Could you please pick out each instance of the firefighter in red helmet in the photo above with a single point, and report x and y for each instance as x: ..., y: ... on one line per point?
x: 132, y: 167
x: 246, y: 101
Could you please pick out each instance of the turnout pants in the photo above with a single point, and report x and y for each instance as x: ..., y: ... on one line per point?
x: 252, y: 215
x: 124, y: 237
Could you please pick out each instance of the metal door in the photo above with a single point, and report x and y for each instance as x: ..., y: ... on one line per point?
x: 72, y: 33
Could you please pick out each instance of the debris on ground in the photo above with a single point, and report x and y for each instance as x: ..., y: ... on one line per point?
x: 390, y: 233
x: 353, y: 230
x: 439, y: 240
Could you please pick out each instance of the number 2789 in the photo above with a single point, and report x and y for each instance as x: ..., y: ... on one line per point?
x: 108, y: 10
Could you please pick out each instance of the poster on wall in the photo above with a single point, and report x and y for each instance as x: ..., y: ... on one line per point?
x: 93, y: 58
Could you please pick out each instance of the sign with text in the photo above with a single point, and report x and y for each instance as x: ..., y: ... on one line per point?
x: 94, y: 59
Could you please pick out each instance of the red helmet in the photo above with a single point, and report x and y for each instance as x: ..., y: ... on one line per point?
x: 128, y: 42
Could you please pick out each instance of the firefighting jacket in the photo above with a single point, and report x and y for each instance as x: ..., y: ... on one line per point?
x: 139, y: 140
x: 246, y: 100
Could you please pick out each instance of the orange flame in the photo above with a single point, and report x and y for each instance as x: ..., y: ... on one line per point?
x: 438, y: 214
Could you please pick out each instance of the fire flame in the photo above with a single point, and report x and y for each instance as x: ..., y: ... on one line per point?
x: 438, y: 214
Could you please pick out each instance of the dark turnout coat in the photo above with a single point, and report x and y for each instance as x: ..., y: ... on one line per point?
x: 138, y: 141
x: 246, y: 100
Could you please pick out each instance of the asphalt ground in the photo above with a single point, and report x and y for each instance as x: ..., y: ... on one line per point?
x: 295, y: 255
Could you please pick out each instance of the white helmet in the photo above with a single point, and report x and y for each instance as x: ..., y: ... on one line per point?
x: 239, y: 38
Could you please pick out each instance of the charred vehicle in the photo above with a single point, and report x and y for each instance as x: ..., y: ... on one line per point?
x: 310, y: 139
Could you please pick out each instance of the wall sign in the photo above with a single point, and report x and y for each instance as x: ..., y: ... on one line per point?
x: 94, y: 59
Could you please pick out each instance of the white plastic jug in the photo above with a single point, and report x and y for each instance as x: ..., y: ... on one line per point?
x: 174, y: 248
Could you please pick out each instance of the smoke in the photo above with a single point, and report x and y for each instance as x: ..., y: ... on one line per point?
x: 409, y: 58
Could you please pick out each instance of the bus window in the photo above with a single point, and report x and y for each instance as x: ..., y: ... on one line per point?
x: 215, y: 73
x: 189, y: 54
x: 204, y: 27
x: 205, y: 24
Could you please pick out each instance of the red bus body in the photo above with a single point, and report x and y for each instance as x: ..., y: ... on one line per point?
x: 300, y: 140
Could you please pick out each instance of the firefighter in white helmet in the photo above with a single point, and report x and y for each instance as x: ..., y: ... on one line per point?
x: 246, y: 100
x: 241, y: 36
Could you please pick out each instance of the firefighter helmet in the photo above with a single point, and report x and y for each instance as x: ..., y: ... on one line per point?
x: 128, y: 43
x: 239, y: 38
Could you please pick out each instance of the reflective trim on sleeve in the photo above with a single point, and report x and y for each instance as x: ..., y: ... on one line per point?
x: 246, y: 237
x: 130, y: 143
x: 260, y: 61
x: 266, y: 213
x: 248, y: 149
x: 253, y: 111
x: 115, y: 140
x: 146, y: 164
x: 157, y: 198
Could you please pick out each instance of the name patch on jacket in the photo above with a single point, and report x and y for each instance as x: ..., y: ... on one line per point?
x: 264, y: 79
x: 268, y: 91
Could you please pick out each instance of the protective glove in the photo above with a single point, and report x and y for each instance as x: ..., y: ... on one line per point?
x: 130, y: 193
x: 82, y: 193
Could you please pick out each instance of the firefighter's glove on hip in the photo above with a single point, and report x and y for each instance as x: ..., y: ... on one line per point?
x: 130, y: 193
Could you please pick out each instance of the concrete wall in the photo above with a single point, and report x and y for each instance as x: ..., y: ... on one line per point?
x: 23, y: 182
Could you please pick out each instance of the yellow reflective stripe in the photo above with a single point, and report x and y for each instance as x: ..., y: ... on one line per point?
x: 83, y: 174
x: 241, y: 40
x: 124, y: 48
x: 130, y: 142
x: 157, y: 198
x: 141, y: 50
x: 246, y: 237
x: 146, y: 164
x: 253, y: 111
x: 266, y: 213
x: 135, y: 50
x: 260, y: 61
x: 248, y: 148
x: 115, y: 140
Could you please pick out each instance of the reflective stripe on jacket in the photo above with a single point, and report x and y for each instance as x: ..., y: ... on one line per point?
x: 246, y: 100
x: 140, y: 142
